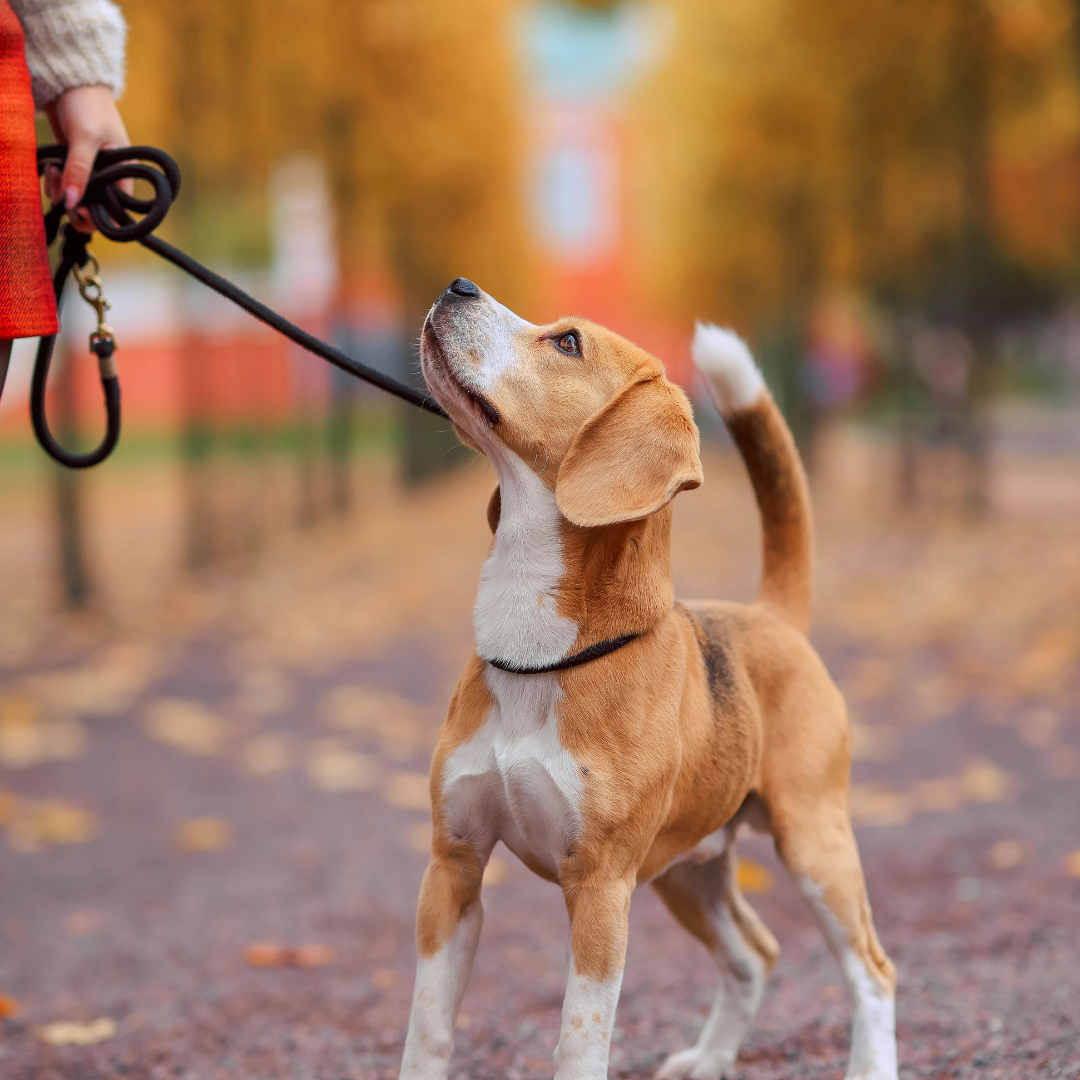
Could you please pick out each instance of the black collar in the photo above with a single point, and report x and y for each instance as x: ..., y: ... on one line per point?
x: 593, y: 652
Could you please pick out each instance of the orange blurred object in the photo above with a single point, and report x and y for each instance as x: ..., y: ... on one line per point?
x: 264, y: 954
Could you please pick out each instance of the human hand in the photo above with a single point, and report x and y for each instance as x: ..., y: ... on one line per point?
x: 87, y: 120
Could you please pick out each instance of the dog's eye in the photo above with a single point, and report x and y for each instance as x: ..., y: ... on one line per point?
x: 569, y: 343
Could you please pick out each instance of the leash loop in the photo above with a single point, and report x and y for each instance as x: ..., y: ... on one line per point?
x: 112, y: 209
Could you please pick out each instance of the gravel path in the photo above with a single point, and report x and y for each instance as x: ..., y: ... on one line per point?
x: 208, y: 789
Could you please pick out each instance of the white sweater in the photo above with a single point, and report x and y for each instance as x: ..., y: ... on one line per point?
x: 72, y: 43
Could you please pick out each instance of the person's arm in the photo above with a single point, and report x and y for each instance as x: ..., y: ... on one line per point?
x: 75, y: 53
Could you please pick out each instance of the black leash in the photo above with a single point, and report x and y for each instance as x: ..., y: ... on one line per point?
x: 111, y: 209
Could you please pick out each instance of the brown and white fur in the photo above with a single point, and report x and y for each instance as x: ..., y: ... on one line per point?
x: 638, y: 766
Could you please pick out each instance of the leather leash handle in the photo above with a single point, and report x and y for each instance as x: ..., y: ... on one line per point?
x: 111, y: 209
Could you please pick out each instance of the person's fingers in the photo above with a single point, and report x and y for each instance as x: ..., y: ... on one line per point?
x: 81, y: 219
x: 86, y: 118
x: 52, y: 183
x: 82, y: 150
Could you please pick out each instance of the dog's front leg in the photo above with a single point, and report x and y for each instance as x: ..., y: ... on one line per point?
x: 448, y: 923
x: 598, y: 926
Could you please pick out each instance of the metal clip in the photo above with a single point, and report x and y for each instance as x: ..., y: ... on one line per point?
x: 102, y: 340
x: 90, y: 290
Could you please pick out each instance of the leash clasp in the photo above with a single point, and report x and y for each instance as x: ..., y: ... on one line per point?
x: 102, y: 339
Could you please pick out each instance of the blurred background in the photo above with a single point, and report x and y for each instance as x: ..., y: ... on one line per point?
x: 225, y: 653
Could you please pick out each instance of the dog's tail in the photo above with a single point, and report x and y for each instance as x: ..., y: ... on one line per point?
x: 766, y: 445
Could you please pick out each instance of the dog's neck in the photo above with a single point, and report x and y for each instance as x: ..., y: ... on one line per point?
x: 549, y: 588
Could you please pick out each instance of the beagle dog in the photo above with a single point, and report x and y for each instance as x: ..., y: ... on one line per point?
x: 608, y: 734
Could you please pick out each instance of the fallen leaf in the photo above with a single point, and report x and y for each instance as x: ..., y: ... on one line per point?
x: 409, y: 790
x: 940, y: 793
x: 264, y: 754
x: 8, y: 1007
x: 312, y: 955
x: 26, y: 738
x: 1007, y: 854
x: 185, y: 725
x: 1072, y: 863
x: 873, y: 742
x: 496, y: 871
x: 332, y: 766
x: 203, y: 834
x: 983, y: 781
x: 364, y: 708
x: 71, y: 1033
x: 35, y: 825
x: 1048, y: 662
x: 79, y: 924
x: 265, y: 954
x: 753, y: 877
x: 875, y: 804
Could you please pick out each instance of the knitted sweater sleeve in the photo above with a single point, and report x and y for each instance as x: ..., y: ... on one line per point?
x: 72, y: 43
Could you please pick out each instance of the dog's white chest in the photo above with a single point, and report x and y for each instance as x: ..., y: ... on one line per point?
x: 513, y: 780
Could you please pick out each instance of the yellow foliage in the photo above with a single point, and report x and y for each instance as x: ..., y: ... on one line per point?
x: 800, y: 147
x: 410, y: 104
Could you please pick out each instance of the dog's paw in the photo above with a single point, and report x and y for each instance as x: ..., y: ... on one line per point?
x: 693, y: 1064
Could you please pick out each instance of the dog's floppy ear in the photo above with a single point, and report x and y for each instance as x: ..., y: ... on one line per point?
x: 494, y: 510
x: 632, y: 457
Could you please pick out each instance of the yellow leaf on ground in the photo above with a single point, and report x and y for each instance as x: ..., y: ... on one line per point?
x: 940, y: 793
x: 496, y: 871
x: 409, y: 790
x: 203, y: 834
x: 264, y: 754
x: 264, y: 954
x: 983, y: 781
x: 185, y: 725
x: 875, y: 804
x: 35, y: 825
x: 1007, y: 854
x: 71, y: 1033
x: 873, y: 742
x: 332, y: 766
x: 753, y: 877
x: 1072, y: 863
x: 26, y: 738
x: 79, y: 924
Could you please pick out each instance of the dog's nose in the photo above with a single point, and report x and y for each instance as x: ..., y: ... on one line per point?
x: 464, y: 288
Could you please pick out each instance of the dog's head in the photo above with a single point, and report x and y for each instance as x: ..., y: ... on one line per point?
x: 590, y: 413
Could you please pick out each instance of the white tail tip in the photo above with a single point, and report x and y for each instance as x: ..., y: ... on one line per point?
x: 729, y: 369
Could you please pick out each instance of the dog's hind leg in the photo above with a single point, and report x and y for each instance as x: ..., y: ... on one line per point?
x: 817, y: 846
x: 706, y: 899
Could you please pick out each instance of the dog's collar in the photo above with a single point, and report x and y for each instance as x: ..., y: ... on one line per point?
x: 593, y: 652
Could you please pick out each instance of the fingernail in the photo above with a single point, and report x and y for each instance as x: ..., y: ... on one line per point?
x: 71, y: 198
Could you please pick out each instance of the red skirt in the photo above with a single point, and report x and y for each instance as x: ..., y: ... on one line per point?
x: 27, y: 305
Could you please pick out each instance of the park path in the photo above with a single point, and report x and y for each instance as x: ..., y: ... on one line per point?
x: 213, y: 794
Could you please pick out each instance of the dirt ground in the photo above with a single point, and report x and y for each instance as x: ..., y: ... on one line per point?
x: 213, y: 788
